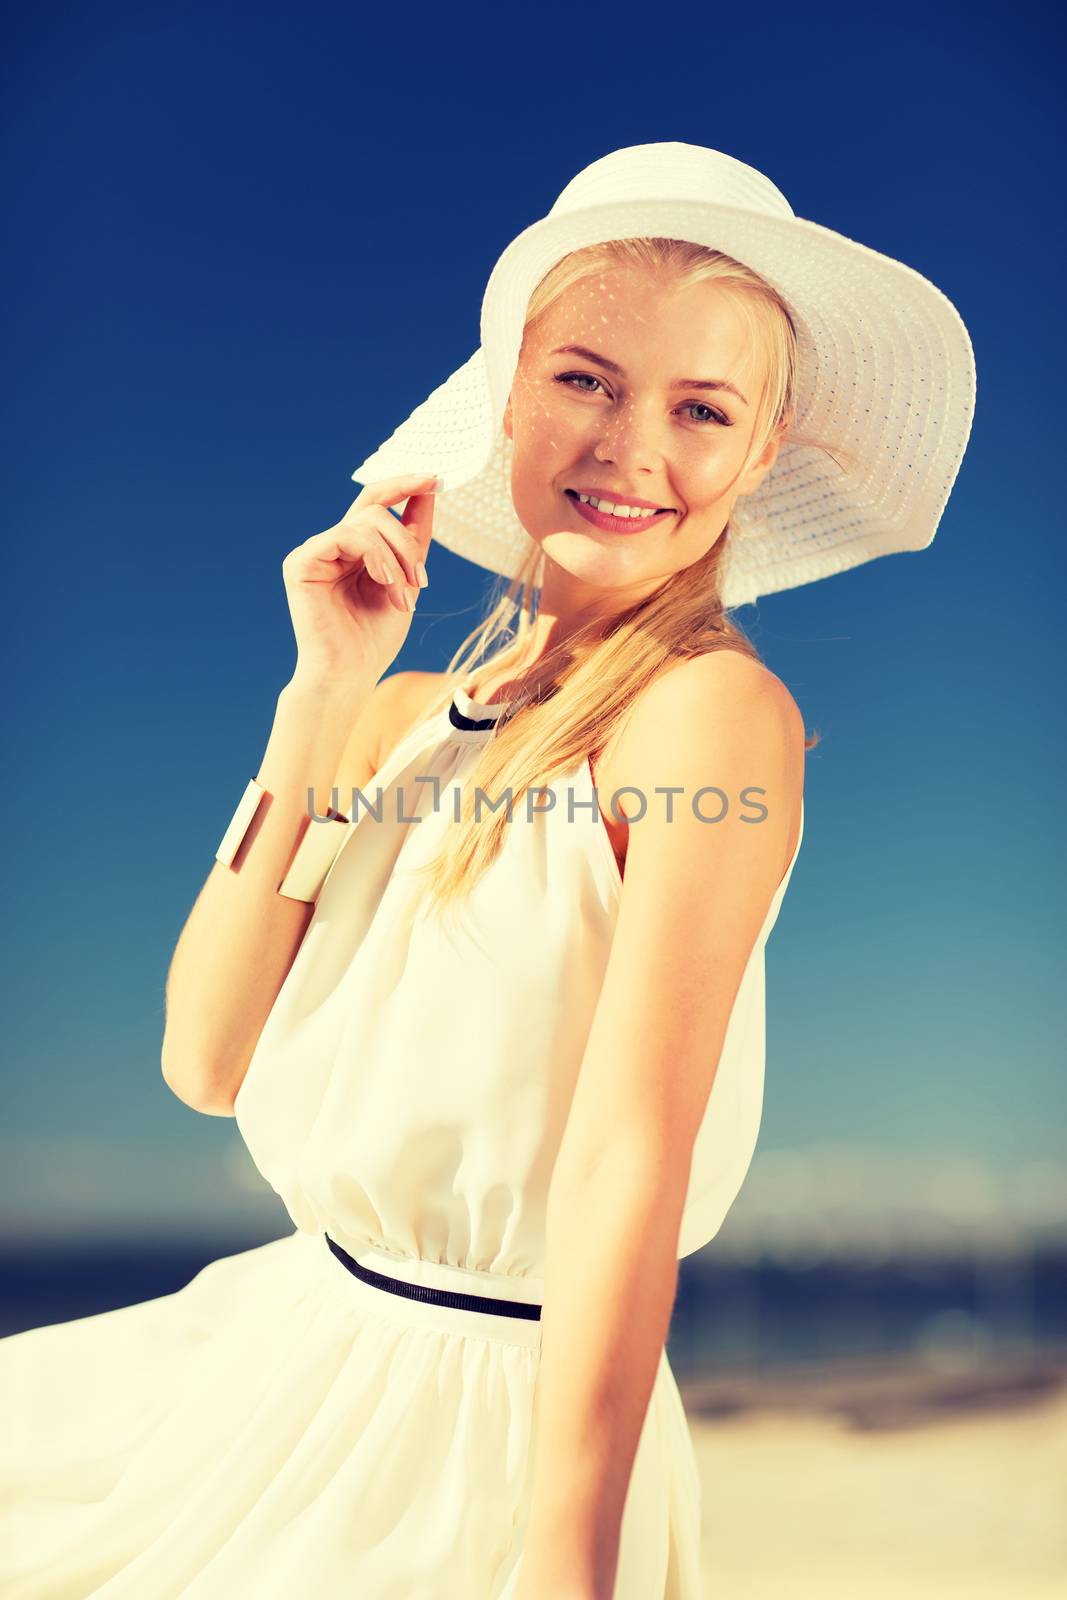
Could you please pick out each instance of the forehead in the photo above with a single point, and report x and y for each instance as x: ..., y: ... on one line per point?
x: 645, y: 322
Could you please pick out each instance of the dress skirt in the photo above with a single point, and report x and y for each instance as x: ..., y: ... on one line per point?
x: 281, y: 1428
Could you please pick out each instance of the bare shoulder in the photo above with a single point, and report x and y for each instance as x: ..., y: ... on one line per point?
x: 405, y: 698
x: 715, y: 690
x: 727, y: 686
x: 719, y: 718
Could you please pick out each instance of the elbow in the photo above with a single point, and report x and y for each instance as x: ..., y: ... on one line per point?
x: 199, y: 1090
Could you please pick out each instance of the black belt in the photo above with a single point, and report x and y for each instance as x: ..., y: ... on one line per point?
x: 436, y: 1297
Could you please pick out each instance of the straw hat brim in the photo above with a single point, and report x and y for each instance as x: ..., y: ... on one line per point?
x: 886, y: 380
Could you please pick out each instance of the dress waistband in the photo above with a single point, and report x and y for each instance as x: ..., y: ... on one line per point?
x: 413, y: 1279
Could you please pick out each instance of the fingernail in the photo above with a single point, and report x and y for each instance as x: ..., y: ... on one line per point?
x: 409, y: 599
x: 420, y: 573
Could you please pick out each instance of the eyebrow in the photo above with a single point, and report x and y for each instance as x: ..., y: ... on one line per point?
x: 679, y: 383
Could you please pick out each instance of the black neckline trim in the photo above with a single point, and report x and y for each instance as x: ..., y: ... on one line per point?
x: 468, y: 724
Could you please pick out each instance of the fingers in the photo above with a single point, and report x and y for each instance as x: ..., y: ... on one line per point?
x: 392, y: 549
x: 400, y: 540
x: 384, y: 570
x: 375, y: 529
x: 388, y: 490
x: 410, y: 535
x: 324, y: 556
x: 418, y: 518
x: 382, y: 565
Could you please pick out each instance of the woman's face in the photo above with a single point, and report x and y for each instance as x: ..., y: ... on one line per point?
x: 615, y: 417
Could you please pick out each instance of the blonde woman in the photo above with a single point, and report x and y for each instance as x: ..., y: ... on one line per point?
x: 495, y: 1035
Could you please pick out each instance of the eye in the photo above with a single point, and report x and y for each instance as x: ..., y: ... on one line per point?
x: 716, y: 416
x: 573, y: 379
x: 569, y: 377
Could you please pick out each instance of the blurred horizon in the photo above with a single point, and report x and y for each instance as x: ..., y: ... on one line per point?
x: 827, y: 1254
x: 821, y: 1202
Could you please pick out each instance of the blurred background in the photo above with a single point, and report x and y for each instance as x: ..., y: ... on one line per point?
x: 243, y: 243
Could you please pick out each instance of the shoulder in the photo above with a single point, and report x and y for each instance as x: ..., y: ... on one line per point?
x: 721, y: 681
x: 403, y: 699
x: 723, y: 721
x: 412, y: 689
x: 708, y: 699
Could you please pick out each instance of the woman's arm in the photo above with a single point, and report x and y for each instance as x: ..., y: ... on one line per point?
x: 241, y: 937
x: 609, y: 1289
x: 693, y: 902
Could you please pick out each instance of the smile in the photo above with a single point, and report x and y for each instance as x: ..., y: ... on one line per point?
x: 619, y: 519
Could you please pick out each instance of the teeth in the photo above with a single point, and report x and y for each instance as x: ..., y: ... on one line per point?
x: 612, y: 510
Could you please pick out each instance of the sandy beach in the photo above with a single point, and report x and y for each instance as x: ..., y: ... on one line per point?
x: 884, y: 1482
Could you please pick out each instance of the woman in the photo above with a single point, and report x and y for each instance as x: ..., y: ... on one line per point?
x: 504, y: 1064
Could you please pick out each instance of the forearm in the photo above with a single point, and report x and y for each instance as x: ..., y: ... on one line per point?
x: 241, y: 936
x: 610, y: 1281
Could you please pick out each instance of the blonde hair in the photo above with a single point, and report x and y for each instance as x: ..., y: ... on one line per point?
x: 591, y: 682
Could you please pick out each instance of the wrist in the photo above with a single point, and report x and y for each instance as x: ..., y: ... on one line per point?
x: 320, y: 690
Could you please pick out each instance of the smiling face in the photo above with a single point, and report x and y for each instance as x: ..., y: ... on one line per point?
x: 627, y: 426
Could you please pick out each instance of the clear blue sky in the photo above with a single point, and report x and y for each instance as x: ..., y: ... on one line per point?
x: 243, y: 242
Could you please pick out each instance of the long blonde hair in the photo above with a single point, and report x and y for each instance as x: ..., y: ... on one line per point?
x: 590, y: 682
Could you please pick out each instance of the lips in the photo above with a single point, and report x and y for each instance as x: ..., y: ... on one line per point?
x: 610, y: 524
x: 614, y: 497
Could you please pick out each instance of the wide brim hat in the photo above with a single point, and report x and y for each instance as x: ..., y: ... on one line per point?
x: 886, y: 377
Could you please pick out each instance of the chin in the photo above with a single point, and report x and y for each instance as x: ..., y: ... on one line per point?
x: 591, y: 559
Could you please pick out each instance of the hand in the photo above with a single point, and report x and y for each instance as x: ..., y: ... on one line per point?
x: 347, y: 587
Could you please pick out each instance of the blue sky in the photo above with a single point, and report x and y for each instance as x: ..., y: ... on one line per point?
x: 244, y: 243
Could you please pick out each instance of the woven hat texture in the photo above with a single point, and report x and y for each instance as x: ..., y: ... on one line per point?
x: 886, y: 376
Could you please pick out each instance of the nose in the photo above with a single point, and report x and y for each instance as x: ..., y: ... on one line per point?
x: 627, y: 440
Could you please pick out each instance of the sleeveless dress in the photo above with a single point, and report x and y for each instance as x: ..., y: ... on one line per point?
x: 280, y: 1427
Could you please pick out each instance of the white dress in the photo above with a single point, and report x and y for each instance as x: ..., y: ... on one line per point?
x: 281, y: 1428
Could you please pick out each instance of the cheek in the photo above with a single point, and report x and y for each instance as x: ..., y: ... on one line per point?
x: 542, y: 419
x: 544, y: 444
x: 705, y: 476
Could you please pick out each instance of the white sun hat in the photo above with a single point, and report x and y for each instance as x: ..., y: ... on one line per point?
x: 886, y: 375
